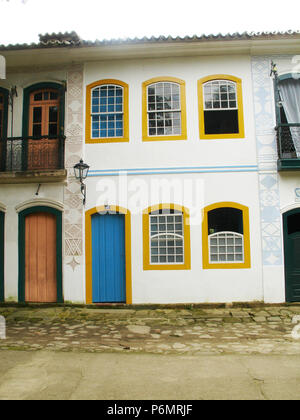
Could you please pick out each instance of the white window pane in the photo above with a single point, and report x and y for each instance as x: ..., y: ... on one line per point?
x: 220, y: 94
x: 163, y: 100
x: 223, y: 247
x: 166, y: 233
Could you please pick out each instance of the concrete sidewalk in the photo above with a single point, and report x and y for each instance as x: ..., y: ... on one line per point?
x: 194, y: 331
x: 48, y: 375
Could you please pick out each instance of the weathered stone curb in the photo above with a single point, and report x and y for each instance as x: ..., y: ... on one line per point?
x: 260, y: 330
x: 188, y: 306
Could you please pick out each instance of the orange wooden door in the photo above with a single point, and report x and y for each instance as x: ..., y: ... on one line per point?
x: 43, y: 121
x: 40, y: 258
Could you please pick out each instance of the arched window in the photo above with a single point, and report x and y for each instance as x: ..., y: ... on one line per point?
x: 166, y: 238
x: 220, y: 107
x: 226, y: 241
x: 43, y: 128
x: 44, y: 113
x: 164, y: 109
x: 107, y: 112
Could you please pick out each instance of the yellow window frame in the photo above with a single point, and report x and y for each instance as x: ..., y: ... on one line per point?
x: 238, y: 82
x: 205, y: 242
x: 88, y: 124
x: 146, y: 238
x: 145, y: 85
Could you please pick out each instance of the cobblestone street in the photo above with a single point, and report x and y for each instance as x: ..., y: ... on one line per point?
x: 258, y: 330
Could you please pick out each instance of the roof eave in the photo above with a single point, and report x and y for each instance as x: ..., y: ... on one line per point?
x: 130, y: 50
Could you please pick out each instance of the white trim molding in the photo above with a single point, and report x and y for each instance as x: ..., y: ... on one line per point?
x: 290, y: 207
x: 2, y: 208
x: 47, y: 202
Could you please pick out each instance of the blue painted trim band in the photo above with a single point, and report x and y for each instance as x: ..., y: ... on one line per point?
x: 169, y: 172
x: 176, y: 168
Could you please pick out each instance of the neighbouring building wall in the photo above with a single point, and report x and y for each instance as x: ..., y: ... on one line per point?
x: 288, y: 181
x: 13, y: 195
x: 269, y: 180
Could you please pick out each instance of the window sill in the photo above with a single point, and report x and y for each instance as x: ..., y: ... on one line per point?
x: 164, y: 138
x: 108, y: 140
x: 148, y: 267
x: 228, y: 266
x: 222, y: 136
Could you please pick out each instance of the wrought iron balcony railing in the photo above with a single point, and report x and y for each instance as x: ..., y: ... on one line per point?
x: 18, y: 154
x: 287, y: 135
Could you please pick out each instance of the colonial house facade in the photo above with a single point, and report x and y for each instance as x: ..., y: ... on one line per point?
x: 192, y: 193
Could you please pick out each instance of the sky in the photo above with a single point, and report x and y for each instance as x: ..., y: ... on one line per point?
x: 22, y: 20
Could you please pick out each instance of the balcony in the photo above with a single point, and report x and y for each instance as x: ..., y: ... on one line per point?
x: 287, y: 156
x: 32, y: 159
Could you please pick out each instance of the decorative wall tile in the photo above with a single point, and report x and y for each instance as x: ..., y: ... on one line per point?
x: 73, y: 247
x: 265, y: 122
x: 74, y: 151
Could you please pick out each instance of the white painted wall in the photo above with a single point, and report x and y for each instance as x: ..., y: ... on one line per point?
x: 193, y: 152
x: 195, y: 285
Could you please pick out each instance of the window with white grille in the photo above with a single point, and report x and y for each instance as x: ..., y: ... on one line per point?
x: 226, y: 247
x: 220, y: 107
x: 164, y: 109
x: 220, y: 94
x: 166, y: 237
x: 226, y: 235
x: 107, y: 111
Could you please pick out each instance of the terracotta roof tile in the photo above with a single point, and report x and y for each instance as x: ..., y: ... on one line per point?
x: 71, y: 39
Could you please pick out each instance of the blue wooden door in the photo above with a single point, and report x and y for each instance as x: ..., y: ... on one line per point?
x: 108, y: 245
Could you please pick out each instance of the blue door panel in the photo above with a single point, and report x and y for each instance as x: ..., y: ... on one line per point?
x: 108, y: 244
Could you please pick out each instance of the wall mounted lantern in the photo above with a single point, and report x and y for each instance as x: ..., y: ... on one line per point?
x: 81, y: 171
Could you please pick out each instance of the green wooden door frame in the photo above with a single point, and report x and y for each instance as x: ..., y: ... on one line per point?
x: 2, y: 238
x: 22, y: 216
x: 287, y: 253
x: 5, y: 93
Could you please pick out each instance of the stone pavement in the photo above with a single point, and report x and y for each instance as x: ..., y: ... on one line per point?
x: 198, y: 330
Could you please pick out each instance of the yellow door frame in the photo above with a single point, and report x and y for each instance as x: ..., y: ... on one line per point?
x: 89, y: 253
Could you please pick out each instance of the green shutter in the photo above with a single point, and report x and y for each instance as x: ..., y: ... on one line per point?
x: 291, y: 257
x: 2, y: 257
